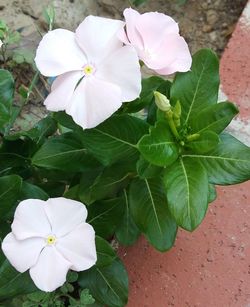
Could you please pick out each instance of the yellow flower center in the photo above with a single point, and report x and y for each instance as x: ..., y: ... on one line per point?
x: 50, y: 240
x: 88, y: 70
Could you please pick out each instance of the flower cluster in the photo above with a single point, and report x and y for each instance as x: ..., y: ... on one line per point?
x: 97, y: 67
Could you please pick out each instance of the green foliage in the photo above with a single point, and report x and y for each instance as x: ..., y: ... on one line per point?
x: 6, y: 96
x: 149, y: 209
x: 147, y: 173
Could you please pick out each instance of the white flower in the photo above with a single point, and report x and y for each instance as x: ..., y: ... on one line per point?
x: 49, y: 238
x: 96, y: 73
x: 1, y: 43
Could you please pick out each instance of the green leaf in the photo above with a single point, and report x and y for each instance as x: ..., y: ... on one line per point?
x: 29, y: 190
x: 9, y: 192
x: 108, y: 284
x: 212, y: 194
x: 207, y: 141
x: 110, y: 182
x: 44, y: 128
x: 159, y: 147
x: 187, y: 192
x: 127, y: 232
x: 149, y: 209
x: 9, y: 162
x: 197, y: 88
x: 115, y: 139
x: 228, y: 163
x: 66, y: 120
x: 105, y: 253
x: 64, y: 152
x: 13, y: 283
x: 146, y: 169
x: 7, y: 88
x: 149, y: 85
x: 213, y: 118
x: 105, y: 215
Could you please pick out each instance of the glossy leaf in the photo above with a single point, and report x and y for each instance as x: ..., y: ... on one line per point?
x: 159, y: 147
x: 146, y: 169
x: 199, y: 87
x: 110, y: 181
x: 213, y: 118
x: 149, y: 209
x: 6, y: 95
x: 115, y: 139
x: 9, y: 192
x: 228, y: 163
x: 108, y: 284
x: 105, y: 253
x: 187, y: 192
x: 212, y: 194
x: 105, y: 215
x: 13, y: 283
x: 207, y: 141
x: 29, y: 190
x: 127, y: 232
x: 64, y: 152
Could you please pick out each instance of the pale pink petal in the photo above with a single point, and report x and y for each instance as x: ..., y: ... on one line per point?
x: 131, y: 18
x: 58, y: 53
x: 153, y: 27
x: 62, y: 91
x: 64, y: 214
x: 98, y: 37
x: 123, y: 69
x: 50, y: 271
x: 22, y: 254
x: 94, y: 101
x: 30, y: 220
x: 78, y: 247
x: 176, y: 57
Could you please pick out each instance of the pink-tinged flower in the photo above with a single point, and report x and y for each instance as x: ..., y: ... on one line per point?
x: 156, y: 38
x: 49, y: 238
x: 96, y: 72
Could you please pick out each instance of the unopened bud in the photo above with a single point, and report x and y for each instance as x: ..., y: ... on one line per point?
x: 162, y: 102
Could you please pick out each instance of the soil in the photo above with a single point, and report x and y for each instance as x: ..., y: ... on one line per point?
x: 203, y: 23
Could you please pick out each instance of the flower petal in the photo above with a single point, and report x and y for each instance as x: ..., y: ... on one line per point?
x: 64, y: 214
x: 30, y: 220
x: 78, y: 247
x: 94, y: 101
x: 62, y: 91
x: 123, y: 69
x: 153, y: 27
x: 98, y: 37
x: 131, y: 18
x: 58, y: 53
x: 22, y: 254
x: 178, y: 56
x: 50, y: 270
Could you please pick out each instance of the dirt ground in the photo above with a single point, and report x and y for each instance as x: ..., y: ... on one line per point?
x: 203, y: 23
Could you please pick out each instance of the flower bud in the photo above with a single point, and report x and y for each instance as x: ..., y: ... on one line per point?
x: 162, y: 102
